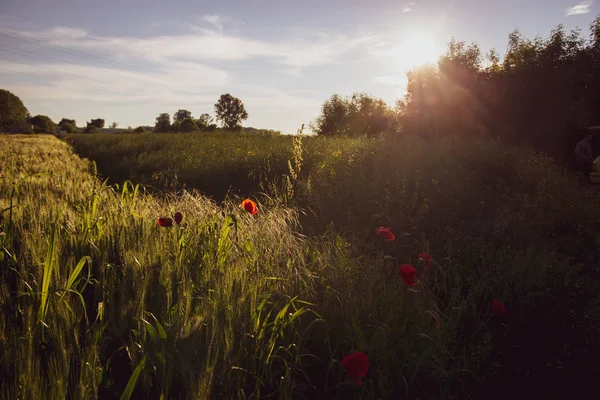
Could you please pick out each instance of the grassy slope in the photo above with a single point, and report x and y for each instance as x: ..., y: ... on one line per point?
x: 500, y: 222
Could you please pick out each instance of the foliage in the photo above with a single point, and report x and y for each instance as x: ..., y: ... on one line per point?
x: 11, y: 108
x: 66, y: 121
x: 113, y: 125
x: 42, y: 123
x: 230, y: 111
x: 140, y: 129
x: 68, y: 125
x: 163, y: 123
x: 91, y: 129
x: 188, y: 125
x: 182, y: 115
x: 204, y: 121
x: 98, y: 123
x: 504, y: 99
x: 357, y: 115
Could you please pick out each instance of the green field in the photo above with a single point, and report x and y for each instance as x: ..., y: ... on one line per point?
x: 100, y: 302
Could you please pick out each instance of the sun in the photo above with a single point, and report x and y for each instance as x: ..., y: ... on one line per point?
x: 416, y: 50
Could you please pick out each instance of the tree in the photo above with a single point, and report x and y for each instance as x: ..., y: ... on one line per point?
x: 140, y: 129
x: 98, y: 123
x: 11, y: 109
x: 333, y: 119
x: 230, y: 111
x: 188, y: 125
x: 204, y: 121
x: 42, y: 123
x: 357, y: 115
x: 91, y: 129
x: 113, y: 125
x: 182, y: 115
x: 163, y: 123
x: 67, y: 125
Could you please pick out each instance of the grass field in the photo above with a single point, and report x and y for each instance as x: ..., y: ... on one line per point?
x: 98, y: 301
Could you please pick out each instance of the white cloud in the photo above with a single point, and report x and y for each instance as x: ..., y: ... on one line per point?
x: 165, y: 72
x: 581, y: 8
x: 203, y: 45
x: 408, y: 7
x: 215, y: 20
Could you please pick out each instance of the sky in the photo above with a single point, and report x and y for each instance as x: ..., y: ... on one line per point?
x: 130, y: 60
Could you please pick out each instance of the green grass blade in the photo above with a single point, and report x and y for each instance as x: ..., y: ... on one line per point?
x: 48, y: 267
x: 133, y: 380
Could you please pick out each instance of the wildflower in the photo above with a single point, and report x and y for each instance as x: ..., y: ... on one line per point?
x: 498, y: 307
x: 249, y: 206
x: 178, y: 217
x: 165, y: 222
x: 409, y: 274
x: 356, y: 366
x: 425, y: 258
x: 386, y: 233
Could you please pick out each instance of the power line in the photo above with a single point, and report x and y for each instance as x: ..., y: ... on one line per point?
x: 62, y: 49
x: 47, y: 58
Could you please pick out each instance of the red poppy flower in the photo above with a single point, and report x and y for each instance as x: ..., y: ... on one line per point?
x: 426, y: 259
x: 165, y: 222
x: 249, y: 206
x: 409, y: 274
x: 386, y: 233
x: 356, y: 366
x: 498, y: 307
x: 178, y: 217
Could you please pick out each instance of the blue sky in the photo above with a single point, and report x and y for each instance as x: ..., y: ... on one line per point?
x: 129, y: 60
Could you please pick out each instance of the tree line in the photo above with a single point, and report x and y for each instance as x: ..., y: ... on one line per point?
x: 544, y: 92
x: 229, y: 111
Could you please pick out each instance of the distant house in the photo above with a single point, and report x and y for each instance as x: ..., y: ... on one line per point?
x: 18, y: 127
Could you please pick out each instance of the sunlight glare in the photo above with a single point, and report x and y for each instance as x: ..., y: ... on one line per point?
x: 417, y: 50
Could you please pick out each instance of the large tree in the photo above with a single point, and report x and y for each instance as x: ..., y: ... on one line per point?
x: 163, y: 123
x: 230, y: 111
x: 11, y: 108
x: 42, y: 123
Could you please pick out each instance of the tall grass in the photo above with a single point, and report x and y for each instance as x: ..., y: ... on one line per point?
x: 100, y: 302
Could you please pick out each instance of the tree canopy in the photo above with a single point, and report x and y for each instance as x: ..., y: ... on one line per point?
x: 230, y: 111
x: 42, y: 124
x: 541, y: 93
x: 359, y: 114
x: 163, y: 123
x: 98, y: 123
x: 11, y: 108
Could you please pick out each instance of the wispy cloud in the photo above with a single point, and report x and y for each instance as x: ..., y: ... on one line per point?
x: 581, y: 8
x: 215, y: 20
x: 202, y: 44
x: 408, y: 7
x: 165, y: 72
